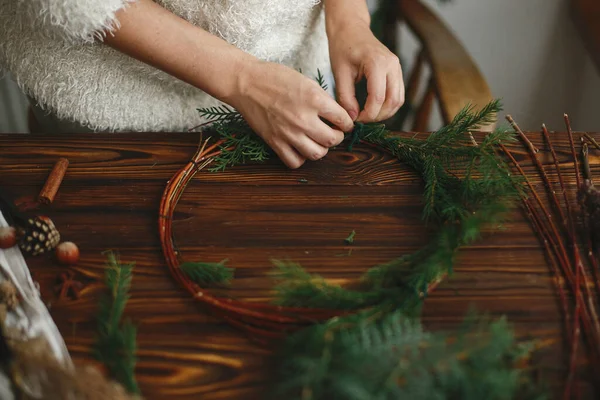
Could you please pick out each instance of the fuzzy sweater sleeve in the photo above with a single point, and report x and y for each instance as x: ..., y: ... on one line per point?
x: 76, y: 19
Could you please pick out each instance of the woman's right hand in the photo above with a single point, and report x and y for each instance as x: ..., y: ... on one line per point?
x: 280, y: 104
x: 285, y: 108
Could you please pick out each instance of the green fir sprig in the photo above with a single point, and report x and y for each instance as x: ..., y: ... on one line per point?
x: 205, y: 273
x: 468, y: 188
x: 241, y: 144
x: 370, y: 356
x: 321, y: 80
x: 115, y: 344
x: 222, y: 113
x: 379, y: 351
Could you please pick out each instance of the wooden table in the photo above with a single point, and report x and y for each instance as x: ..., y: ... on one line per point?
x: 250, y: 214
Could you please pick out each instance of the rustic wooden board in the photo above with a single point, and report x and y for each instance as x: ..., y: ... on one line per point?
x: 251, y: 214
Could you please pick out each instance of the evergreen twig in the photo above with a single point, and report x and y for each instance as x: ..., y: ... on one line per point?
x: 371, y: 356
x: 205, y: 273
x: 115, y: 344
x: 220, y: 114
x: 460, y: 206
x: 468, y: 187
x: 321, y: 80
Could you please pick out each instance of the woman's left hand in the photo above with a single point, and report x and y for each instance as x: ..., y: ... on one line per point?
x: 356, y: 54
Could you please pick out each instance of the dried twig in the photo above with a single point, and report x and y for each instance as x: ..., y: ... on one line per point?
x: 572, y: 269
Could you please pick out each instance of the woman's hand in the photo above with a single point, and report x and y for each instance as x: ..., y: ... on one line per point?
x: 356, y: 54
x: 280, y: 104
x: 289, y: 110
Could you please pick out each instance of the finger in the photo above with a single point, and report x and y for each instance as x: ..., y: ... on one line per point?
x: 325, y: 135
x: 331, y: 111
x: 394, y: 96
x: 307, y: 147
x: 345, y: 81
x: 288, y: 155
x: 376, y: 88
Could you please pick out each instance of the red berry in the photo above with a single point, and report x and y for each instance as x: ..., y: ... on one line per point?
x: 8, y: 237
x: 67, y: 253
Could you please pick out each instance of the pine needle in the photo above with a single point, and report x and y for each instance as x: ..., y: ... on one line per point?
x: 115, y: 344
x: 350, y: 238
x: 207, y: 274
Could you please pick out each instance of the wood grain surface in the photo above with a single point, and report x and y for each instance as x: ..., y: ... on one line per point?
x: 251, y: 214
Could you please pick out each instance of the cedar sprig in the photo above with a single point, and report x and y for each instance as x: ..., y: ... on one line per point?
x: 370, y: 355
x: 115, y: 344
x: 221, y: 113
x: 207, y: 273
x: 240, y: 145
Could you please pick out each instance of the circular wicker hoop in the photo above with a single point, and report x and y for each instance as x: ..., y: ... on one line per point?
x: 262, y: 320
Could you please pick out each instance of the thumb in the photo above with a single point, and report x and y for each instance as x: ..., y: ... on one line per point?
x: 345, y: 92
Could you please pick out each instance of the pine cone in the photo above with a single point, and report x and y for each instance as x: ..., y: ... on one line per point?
x: 38, y: 236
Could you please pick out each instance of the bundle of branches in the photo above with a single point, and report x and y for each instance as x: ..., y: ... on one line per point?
x: 556, y: 223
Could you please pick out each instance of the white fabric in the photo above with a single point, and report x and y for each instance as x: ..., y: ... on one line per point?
x: 48, y: 47
x: 31, y: 316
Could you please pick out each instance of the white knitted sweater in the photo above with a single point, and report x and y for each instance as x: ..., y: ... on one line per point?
x: 49, y: 47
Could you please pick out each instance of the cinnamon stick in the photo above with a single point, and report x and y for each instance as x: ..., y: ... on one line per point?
x: 53, y: 182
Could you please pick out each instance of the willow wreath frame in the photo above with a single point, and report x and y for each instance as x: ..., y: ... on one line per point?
x: 238, y: 313
x: 460, y: 205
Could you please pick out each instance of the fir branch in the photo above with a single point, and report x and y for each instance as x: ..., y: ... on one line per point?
x: 206, y: 274
x: 115, y: 344
x: 378, y: 352
x: 375, y: 356
x: 467, y: 188
x: 321, y: 80
x: 458, y: 130
x: 220, y: 114
x: 298, y: 288
x: 461, y: 206
x: 241, y: 145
